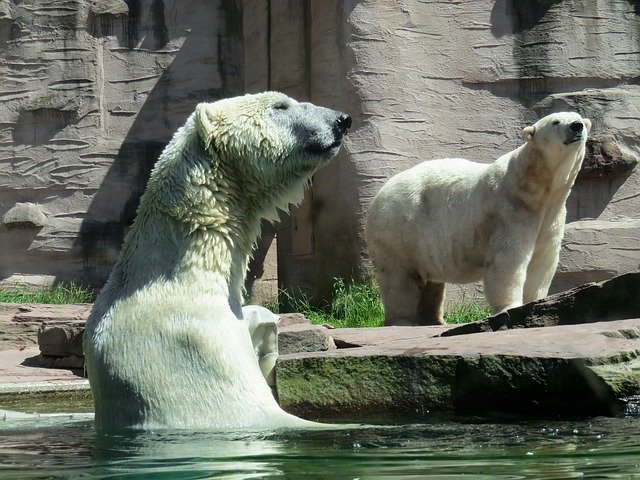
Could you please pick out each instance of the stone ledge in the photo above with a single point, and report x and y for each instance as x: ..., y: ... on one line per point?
x: 574, y: 369
x: 618, y: 298
x: 21, y: 388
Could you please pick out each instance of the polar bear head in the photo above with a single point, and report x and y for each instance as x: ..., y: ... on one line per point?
x: 269, y: 136
x: 244, y: 157
x: 559, y: 134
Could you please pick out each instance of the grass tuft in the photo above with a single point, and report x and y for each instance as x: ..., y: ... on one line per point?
x: 358, y: 305
x: 61, y: 294
x: 466, y: 312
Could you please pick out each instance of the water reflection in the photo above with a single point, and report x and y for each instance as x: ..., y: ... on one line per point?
x: 184, y: 455
x: 438, y: 447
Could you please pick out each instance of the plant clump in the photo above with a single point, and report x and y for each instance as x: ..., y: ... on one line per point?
x: 63, y: 293
x: 358, y: 305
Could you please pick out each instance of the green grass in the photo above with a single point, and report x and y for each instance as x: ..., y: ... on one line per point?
x: 358, y: 305
x: 60, y: 294
x: 465, y: 312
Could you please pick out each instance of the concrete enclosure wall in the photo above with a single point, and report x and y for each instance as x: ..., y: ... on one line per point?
x: 92, y: 91
x: 91, y: 94
x: 429, y: 79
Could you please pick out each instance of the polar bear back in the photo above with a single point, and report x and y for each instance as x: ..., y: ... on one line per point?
x: 434, y: 196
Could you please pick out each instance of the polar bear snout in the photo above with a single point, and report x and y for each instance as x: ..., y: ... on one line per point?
x: 577, y: 132
x: 320, y: 130
x: 576, y: 127
x: 343, y: 123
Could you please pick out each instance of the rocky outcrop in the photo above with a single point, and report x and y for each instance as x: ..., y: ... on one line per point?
x: 569, y: 370
x: 22, y: 324
x: 615, y: 299
x: 604, y: 160
x: 573, y: 353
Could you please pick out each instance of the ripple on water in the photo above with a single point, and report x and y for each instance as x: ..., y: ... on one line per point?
x: 439, y: 447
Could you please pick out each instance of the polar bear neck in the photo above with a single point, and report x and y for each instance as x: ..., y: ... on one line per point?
x: 194, y: 223
x: 537, y: 179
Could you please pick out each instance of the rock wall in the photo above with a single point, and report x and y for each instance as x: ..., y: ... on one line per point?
x: 427, y: 79
x: 92, y: 91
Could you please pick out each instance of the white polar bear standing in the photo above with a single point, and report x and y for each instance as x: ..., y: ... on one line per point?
x: 166, y: 344
x: 456, y: 221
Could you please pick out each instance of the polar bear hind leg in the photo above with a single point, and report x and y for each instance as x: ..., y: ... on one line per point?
x: 408, y: 300
x: 430, y: 308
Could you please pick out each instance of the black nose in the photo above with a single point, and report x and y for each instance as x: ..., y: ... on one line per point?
x: 344, y: 122
x: 576, y: 126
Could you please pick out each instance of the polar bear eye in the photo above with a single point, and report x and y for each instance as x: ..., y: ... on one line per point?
x: 557, y: 122
x: 281, y: 106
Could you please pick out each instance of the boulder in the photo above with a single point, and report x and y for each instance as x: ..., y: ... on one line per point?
x: 614, y: 299
x: 61, y: 340
x: 303, y: 337
x: 577, y: 369
x: 24, y: 215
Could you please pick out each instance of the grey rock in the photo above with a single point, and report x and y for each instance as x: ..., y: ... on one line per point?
x: 560, y: 370
x: 61, y: 341
x: 304, y: 338
x: 615, y: 299
x: 24, y: 215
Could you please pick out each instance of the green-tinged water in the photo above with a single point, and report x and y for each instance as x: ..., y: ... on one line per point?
x: 438, y: 447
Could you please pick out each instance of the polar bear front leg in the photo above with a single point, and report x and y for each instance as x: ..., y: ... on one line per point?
x: 540, y: 272
x: 505, y: 277
x: 544, y: 260
x: 262, y: 325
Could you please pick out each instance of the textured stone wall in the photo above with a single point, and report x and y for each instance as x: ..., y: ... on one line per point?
x: 428, y: 79
x: 92, y: 91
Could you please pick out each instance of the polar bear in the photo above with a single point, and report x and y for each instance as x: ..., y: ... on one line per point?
x: 452, y: 220
x: 166, y: 343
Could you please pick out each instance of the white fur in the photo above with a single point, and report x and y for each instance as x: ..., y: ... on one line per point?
x: 456, y: 221
x: 166, y: 344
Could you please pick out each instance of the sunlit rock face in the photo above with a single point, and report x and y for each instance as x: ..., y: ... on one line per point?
x: 92, y: 92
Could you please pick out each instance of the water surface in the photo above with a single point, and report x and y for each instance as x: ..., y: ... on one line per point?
x: 438, y: 447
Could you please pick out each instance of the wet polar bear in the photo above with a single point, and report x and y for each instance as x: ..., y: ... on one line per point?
x: 166, y: 344
x: 452, y: 220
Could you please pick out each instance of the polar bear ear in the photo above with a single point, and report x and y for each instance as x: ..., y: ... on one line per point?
x: 204, y: 125
x: 587, y: 124
x: 528, y: 132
